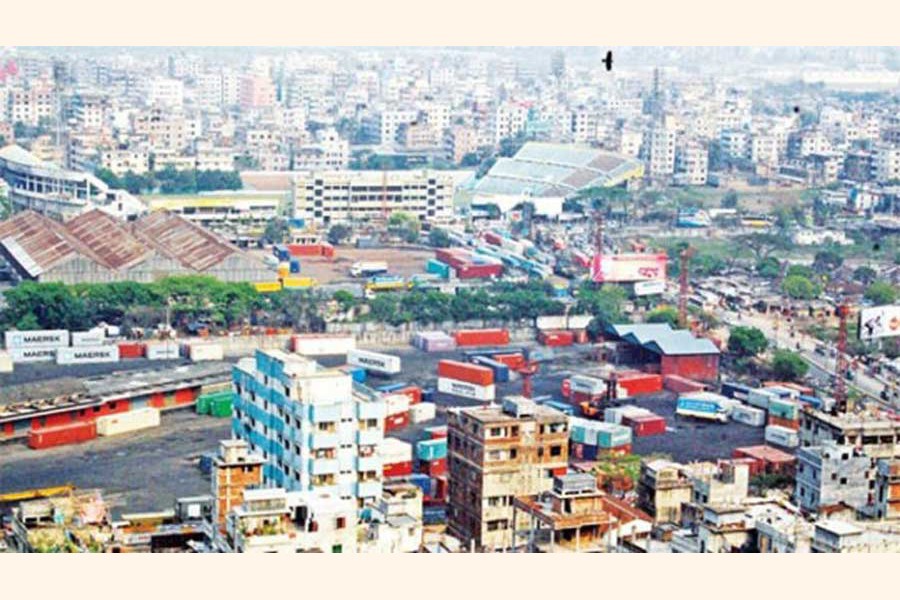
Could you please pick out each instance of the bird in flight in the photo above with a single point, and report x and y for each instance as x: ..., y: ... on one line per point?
x: 608, y: 61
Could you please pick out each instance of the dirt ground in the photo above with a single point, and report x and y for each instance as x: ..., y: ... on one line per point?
x: 401, y: 261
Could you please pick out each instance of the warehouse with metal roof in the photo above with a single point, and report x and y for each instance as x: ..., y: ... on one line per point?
x: 548, y: 173
x: 676, y: 351
x: 96, y: 247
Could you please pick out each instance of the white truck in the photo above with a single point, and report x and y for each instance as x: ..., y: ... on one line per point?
x: 368, y: 268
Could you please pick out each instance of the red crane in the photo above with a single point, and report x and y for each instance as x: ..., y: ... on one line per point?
x: 683, y: 287
x: 527, y: 371
x: 842, y: 365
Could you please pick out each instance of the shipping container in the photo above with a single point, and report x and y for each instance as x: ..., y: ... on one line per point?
x: 460, y: 371
x: 513, y: 361
x: 431, y: 449
x: 397, y: 469
x: 94, y: 337
x: 395, y: 403
x: 616, y: 414
x: 73, y: 433
x: 501, y: 371
x: 374, y: 361
x: 395, y: 450
x: 424, y: 411
x: 130, y: 350
x: 793, y: 424
x: 41, y: 338
x: 438, y: 431
x: 647, y: 425
x: 481, y: 337
x: 587, y: 385
x: 414, y: 393
x: 562, y: 407
x: 433, y: 468
x: 546, y: 322
x: 760, y: 398
x: 781, y: 436
x: 556, y: 338
x: 464, y: 389
x: 748, y: 415
x: 87, y: 355
x: 438, y: 268
x: 322, y: 345
x: 368, y: 269
x: 434, y: 341
x: 735, y: 390
x: 396, y: 421
x: 640, y: 383
x: 678, y: 384
x: 689, y: 406
x: 6, y: 363
x: 31, y: 355
x: 135, y: 420
x: 784, y: 408
x: 267, y: 287
x: 205, y: 351
x: 294, y: 283
x: 162, y: 350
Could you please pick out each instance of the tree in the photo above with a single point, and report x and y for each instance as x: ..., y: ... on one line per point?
x: 800, y: 287
x: 864, y: 274
x: 470, y: 160
x: 663, y: 314
x: 730, y: 199
x: 881, y: 293
x: 801, y: 270
x: 827, y: 261
x: 768, y: 267
x: 338, y: 233
x: 439, y: 238
x: 788, y: 365
x: 605, y: 304
x: 277, y: 231
x: 747, y: 341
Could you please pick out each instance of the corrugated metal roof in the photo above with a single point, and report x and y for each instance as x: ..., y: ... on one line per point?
x: 107, y: 240
x: 36, y: 242
x: 662, y: 339
x: 190, y: 244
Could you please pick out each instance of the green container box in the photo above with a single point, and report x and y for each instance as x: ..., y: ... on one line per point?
x: 221, y: 407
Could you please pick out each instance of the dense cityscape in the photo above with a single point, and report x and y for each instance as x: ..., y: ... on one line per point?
x: 450, y: 300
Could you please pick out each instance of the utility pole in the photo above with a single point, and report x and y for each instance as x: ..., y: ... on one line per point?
x: 683, y: 287
x: 841, y: 364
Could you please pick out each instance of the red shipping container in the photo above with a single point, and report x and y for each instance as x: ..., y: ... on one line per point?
x: 185, y: 395
x: 8, y: 429
x: 566, y: 388
x: 579, y: 397
x: 327, y: 250
x: 433, y: 467
x: 581, y: 336
x: 556, y: 338
x: 304, y: 249
x: 646, y: 425
x: 782, y: 422
x: 441, y: 486
x: 401, y: 469
x: 414, y: 393
x: 492, y: 238
x: 436, y: 433
x: 560, y: 471
x: 675, y: 383
x: 473, y: 271
x: 131, y: 350
x: 397, y: 421
x: 481, y: 337
x: 469, y: 373
x: 73, y: 433
x: 640, y: 383
x: 513, y: 361
x: 455, y: 257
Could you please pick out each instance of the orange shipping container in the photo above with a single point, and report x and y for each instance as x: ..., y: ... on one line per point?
x: 481, y: 337
x: 469, y: 373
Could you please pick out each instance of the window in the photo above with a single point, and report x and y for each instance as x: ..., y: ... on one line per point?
x: 341, y: 523
x: 555, y: 450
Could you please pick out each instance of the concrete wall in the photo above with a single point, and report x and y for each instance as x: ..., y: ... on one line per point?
x: 382, y: 334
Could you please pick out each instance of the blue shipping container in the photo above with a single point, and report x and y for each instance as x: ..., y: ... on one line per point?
x: 562, y: 407
x: 281, y: 252
x: 295, y: 266
x: 734, y: 390
x: 421, y: 481
x: 428, y: 395
x: 501, y: 371
x: 429, y: 450
x: 392, y: 387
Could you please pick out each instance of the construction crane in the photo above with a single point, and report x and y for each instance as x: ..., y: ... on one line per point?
x: 841, y: 363
x: 683, y: 288
x: 527, y: 371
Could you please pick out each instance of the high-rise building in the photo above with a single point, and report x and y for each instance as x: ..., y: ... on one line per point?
x: 495, y: 454
x: 314, y: 430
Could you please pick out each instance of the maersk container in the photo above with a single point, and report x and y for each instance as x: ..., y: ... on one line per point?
x: 748, y: 415
x: 87, y: 355
x: 760, y: 398
x: 501, y: 371
x: 31, y: 354
x: 205, y: 351
x: 135, y: 420
x: 587, y: 385
x: 374, y: 361
x: 94, y: 337
x: 782, y: 436
x: 464, y: 389
x: 162, y: 351
x: 42, y: 338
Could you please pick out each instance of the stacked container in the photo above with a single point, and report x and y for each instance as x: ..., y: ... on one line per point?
x: 466, y: 380
x: 586, y: 389
x: 421, y: 412
x: 322, y: 344
x: 748, y: 415
x: 555, y: 337
x: 635, y: 383
x: 162, y: 350
x: 397, y: 411
x: 784, y: 413
x: 81, y: 355
x: 434, y: 341
x: 385, y: 364
x: 618, y: 414
x: 590, y: 440
x: 760, y: 398
x: 501, y: 371
x: 645, y: 425
x: 396, y: 457
x: 131, y: 350
x: 481, y: 337
x: 782, y: 436
x: 199, y: 352
x: 431, y: 456
x: 679, y: 384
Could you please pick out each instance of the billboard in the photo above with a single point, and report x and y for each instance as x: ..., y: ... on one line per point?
x: 879, y: 322
x: 628, y: 268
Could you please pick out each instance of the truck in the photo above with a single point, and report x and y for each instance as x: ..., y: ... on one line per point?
x: 368, y: 268
x: 380, y: 283
x: 701, y: 409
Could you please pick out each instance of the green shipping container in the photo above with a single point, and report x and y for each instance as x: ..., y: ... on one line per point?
x: 784, y: 409
x: 202, y: 405
x: 220, y: 407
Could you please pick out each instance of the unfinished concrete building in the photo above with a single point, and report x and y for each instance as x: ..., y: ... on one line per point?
x: 663, y: 488
x: 235, y: 469
x: 887, y: 489
x: 875, y: 433
x: 830, y: 474
x: 494, y: 455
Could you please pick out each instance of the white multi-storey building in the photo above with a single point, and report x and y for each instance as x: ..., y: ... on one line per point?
x: 509, y: 120
x: 886, y: 162
x: 165, y: 92
x: 313, y: 429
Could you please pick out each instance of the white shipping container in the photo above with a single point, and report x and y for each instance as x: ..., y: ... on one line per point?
x: 579, y: 321
x: 421, y: 412
x: 94, y: 337
x: 396, y: 403
x: 464, y: 389
x: 748, y: 415
x: 394, y: 451
x: 82, y: 355
x: 374, y: 361
x: 6, y: 363
x: 42, y: 338
x: 323, y: 345
x: 162, y: 351
x: 782, y: 436
x: 198, y: 352
x: 113, y: 331
x: 587, y: 385
x: 29, y: 355
x: 550, y: 322
x: 760, y: 398
x: 135, y: 420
